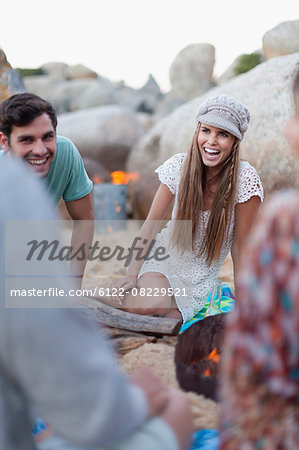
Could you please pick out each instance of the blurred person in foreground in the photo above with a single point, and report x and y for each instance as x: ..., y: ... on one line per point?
x: 28, y: 132
x: 260, y: 386
x: 55, y: 362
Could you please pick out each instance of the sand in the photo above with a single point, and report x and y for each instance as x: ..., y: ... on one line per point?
x: 158, y: 356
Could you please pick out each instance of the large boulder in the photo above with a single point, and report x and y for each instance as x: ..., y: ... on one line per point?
x: 98, y: 92
x: 96, y: 171
x: 57, y: 70
x: 104, y: 134
x: 191, y: 71
x: 282, y: 39
x: 243, y: 63
x: 144, y: 100
x: 10, y: 81
x: 60, y: 92
x: 62, y: 71
x: 79, y: 71
x: 266, y: 90
x: 42, y: 85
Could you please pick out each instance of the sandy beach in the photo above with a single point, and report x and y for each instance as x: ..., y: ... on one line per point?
x: 159, y: 356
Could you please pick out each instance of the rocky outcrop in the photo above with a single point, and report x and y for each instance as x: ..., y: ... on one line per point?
x: 103, y: 134
x: 282, y: 39
x: 76, y: 94
x: 79, y: 71
x: 98, y: 92
x: 191, y: 71
x: 238, y: 64
x: 61, y: 93
x: 57, y: 70
x: 10, y: 81
x: 266, y: 90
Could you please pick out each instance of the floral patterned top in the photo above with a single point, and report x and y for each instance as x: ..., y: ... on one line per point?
x: 260, y: 382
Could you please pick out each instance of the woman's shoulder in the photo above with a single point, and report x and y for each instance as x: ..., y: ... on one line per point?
x: 246, y: 166
x: 178, y: 158
x: 169, y: 172
x: 174, y: 162
x: 249, y: 183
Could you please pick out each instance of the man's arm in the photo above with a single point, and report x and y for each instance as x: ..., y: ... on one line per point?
x: 81, y: 211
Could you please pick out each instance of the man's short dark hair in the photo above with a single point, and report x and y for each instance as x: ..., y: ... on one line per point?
x: 21, y: 109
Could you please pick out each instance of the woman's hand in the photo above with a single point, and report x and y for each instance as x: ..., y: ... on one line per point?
x: 123, y: 285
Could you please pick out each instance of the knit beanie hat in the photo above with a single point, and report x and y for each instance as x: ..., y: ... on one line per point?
x: 225, y: 113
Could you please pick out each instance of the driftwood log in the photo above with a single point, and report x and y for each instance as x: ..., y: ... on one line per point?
x: 124, y: 341
x: 114, y: 317
x: 192, y: 350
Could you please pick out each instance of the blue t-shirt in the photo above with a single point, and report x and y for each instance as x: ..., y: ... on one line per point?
x: 67, y: 177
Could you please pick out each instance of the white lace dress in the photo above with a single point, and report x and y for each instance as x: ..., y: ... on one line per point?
x: 189, y: 276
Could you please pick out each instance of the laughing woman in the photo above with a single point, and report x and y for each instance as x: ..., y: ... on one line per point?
x: 214, y: 194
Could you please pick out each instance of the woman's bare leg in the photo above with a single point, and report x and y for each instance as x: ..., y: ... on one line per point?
x: 148, y: 298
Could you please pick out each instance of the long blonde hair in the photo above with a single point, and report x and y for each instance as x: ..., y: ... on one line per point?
x: 190, y: 202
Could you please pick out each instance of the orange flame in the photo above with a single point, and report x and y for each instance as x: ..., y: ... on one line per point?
x: 207, y: 373
x: 117, y: 209
x: 120, y: 177
x: 214, y: 355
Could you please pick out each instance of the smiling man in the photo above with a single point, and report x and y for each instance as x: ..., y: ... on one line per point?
x: 28, y: 131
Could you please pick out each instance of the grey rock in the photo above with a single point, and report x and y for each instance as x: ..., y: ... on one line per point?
x: 167, y: 104
x: 57, y: 70
x: 151, y: 87
x: 230, y: 73
x: 79, y: 71
x: 266, y: 91
x: 147, y: 121
x: 59, y: 92
x: 96, y: 171
x: 144, y: 100
x: 10, y: 81
x: 97, y: 92
x: 42, y: 85
x: 282, y: 39
x: 191, y: 71
x: 104, y: 134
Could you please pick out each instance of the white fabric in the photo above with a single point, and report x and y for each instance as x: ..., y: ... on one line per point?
x: 186, y: 273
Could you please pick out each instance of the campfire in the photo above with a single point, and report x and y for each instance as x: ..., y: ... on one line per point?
x: 119, y: 177
x: 110, y: 201
x: 198, y: 356
x: 213, y: 358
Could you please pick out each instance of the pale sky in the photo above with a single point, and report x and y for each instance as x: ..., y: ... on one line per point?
x: 128, y: 39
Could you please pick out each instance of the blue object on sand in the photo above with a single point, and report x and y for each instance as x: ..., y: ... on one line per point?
x: 39, y: 426
x: 206, y: 439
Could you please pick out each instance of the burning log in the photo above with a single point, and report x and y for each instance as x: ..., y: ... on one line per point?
x: 197, y: 356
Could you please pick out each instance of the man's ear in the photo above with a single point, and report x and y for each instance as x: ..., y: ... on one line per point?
x: 4, y: 142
